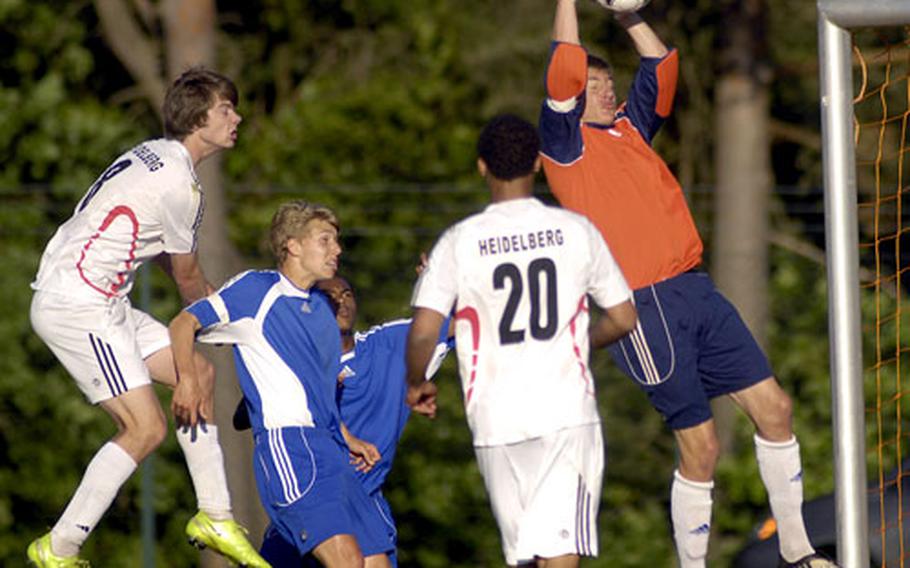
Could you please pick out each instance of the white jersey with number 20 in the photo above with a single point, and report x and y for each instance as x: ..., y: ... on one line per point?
x: 147, y: 202
x: 519, y: 275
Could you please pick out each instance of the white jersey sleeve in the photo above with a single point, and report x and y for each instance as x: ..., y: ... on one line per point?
x: 437, y: 286
x: 181, y: 215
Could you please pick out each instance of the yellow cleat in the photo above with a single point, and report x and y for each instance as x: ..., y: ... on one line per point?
x: 40, y: 554
x: 224, y: 537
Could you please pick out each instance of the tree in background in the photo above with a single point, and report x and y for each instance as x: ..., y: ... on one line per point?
x: 739, y: 255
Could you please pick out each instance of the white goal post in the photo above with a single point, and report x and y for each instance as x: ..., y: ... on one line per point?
x: 835, y: 20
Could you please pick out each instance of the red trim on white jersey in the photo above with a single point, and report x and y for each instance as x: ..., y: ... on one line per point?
x: 114, y: 213
x: 470, y: 315
x: 582, y: 308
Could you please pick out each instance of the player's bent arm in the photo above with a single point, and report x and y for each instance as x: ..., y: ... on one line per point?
x: 188, y: 396
x: 613, y: 324
x: 364, y: 455
x: 646, y: 41
x: 187, y: 274
x: 565, y: 24
x: 422, y: 399
x: 422, y: 339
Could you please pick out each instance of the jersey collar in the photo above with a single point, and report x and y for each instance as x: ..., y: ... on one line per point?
x: 514, y: 203
x: 288, y: 288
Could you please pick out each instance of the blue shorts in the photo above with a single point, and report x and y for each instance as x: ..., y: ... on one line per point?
x: 310, y: 492
x: 691, y: 345
x: 277, y: 551
x: 386, y: 523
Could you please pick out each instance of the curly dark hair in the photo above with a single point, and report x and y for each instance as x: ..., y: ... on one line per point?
x: 509, y: 146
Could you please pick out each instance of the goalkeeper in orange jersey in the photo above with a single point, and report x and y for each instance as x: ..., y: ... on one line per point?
x: 691, y: 345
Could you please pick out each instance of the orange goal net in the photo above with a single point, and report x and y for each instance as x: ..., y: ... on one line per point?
x: 881, y: 114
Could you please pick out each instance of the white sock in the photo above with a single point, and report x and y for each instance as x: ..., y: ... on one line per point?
x: 206, y: 464
x: 690, y: 509
x: 105, y: 474
x: 782, y: 475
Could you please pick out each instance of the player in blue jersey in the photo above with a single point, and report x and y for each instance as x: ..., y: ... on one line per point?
x: 371, y: 398
x: 287, y: 352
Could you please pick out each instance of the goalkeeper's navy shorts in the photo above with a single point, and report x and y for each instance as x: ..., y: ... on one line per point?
x: 690, y: 346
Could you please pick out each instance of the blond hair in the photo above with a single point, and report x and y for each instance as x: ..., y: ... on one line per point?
x: 291, y: 220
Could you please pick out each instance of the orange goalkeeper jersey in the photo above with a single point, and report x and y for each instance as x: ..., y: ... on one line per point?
x: 611, y: 174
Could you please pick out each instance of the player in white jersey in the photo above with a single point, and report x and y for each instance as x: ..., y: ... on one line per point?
x: 519, y: 275
x: 147, y: 205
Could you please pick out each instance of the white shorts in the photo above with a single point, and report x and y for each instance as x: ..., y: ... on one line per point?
x: 545, y: 493
x: 103, y: 345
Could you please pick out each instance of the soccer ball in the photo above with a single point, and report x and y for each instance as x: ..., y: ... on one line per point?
x: 623, y: 5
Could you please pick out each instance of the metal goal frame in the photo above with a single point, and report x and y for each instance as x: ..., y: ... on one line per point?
x: 835, y: 20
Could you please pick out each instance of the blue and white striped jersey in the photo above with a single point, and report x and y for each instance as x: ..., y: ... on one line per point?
x: 287, y: 348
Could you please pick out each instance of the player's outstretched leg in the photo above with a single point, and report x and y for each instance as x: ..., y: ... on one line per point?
x: 781, y: 471
x: 214, y: 525
x: 690, y: 509
x: 225, y: 537
x: 40, y: 554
